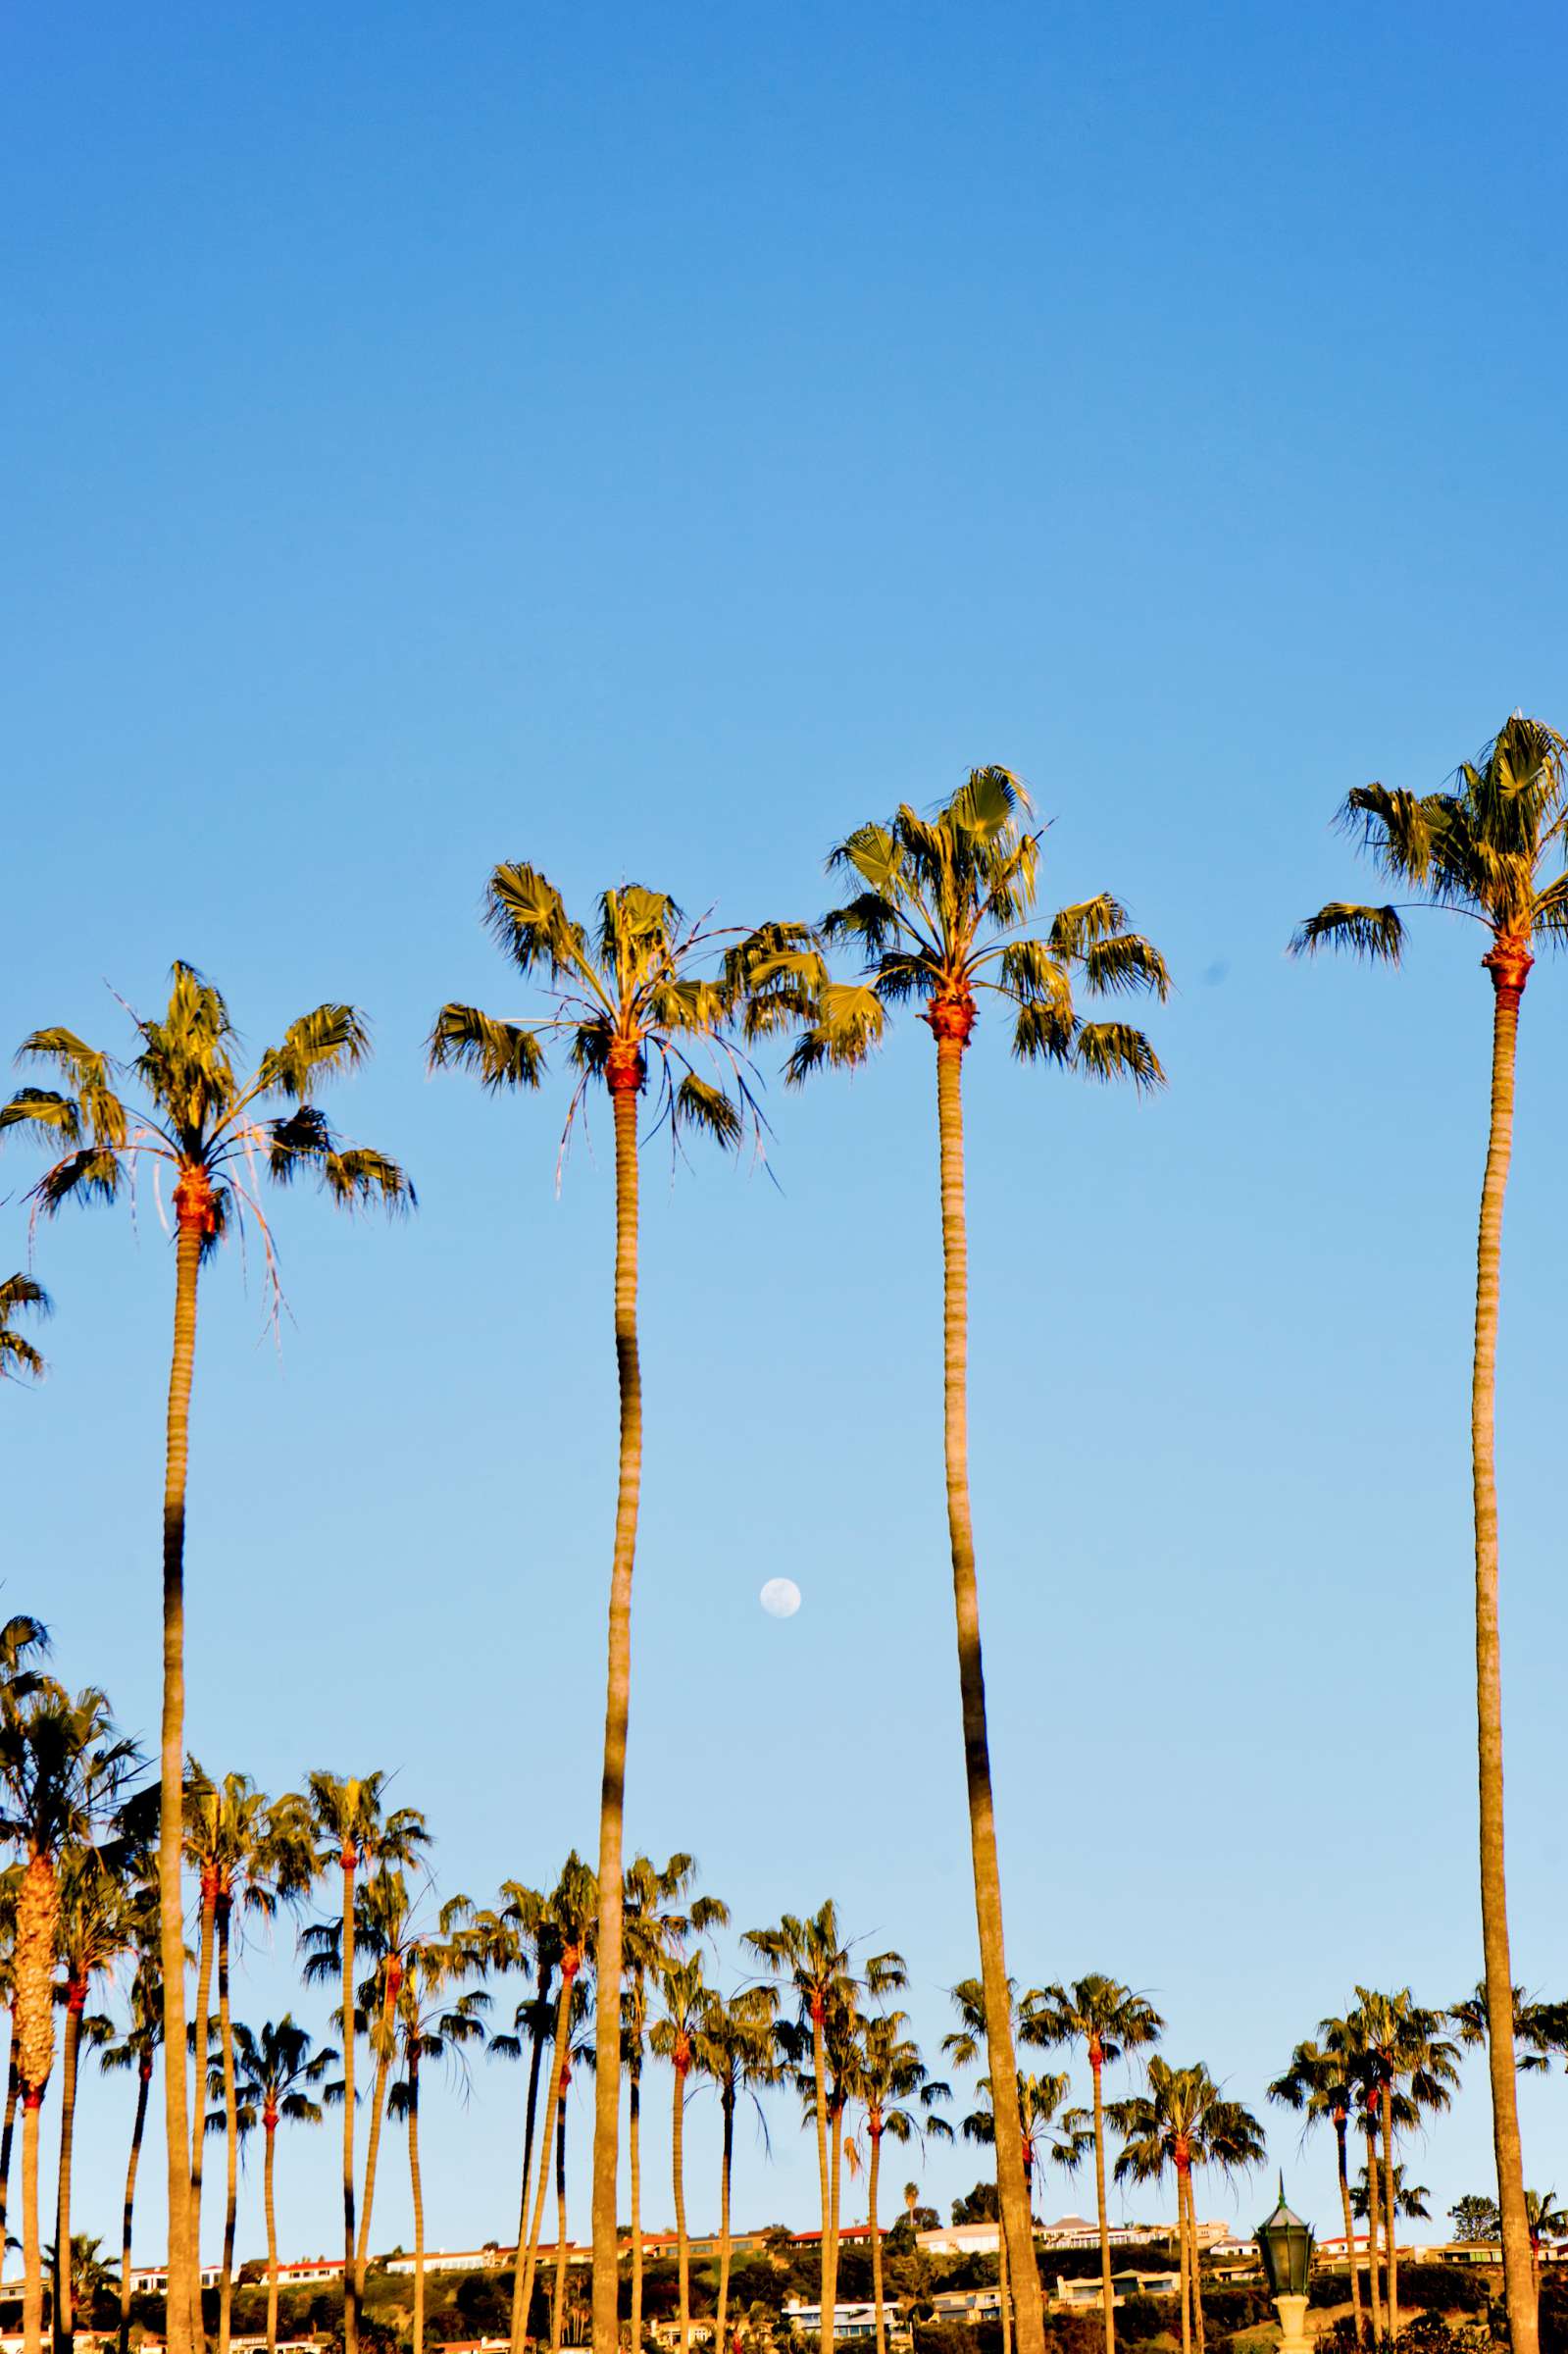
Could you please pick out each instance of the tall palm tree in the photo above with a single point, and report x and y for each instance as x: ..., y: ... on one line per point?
x: 136, y: 2048
x: 812, y: 1959
x: 1403, y: 2054
x: 936, y: 912
x: 102, y: 1916
x: 518, y: 1934
x: 17, y: 1356
x: 1322, y: 2083
x: 734, y: 2049
x: 352, y: 1828
x: 899, y: 2097
x: 572, y: 1915
x: 1539, y: 2028
x: 637, y: 990
x: 683, y: 1999
x: 205, y: 1123
x: 1109, y: 2021
x: 1548, y: 2221
x: 18, y: 1637
x: 579, y: 2050
x: 432, y: 2021
x: 1489, y: 848
x: 1180, y: 2123
x: 658, y: 1915
x: 277, y: 2076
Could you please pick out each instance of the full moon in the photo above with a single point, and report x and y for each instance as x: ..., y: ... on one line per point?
x: 780, y: 1598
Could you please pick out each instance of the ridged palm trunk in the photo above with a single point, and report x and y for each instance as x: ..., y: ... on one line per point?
x: 726, y: 2251
x: 268, y: 2164
x: 835, y: 2160
x: 201, y: 2023
x: 951, y: 1023
x: 522, y: 2285
x: 195, y: 1214
x: 1097, y: 2064
x: 8, y: 2129
x: 635, y: 2156
x: 132, y: 2164
x: 1184, y: 2255
x: 1374, y: 2204
x: 31, y: 2252
x: 1509, y: 966
x: 37, y: 1925
x: 1389, y: 2211
x: 819, y: 2069
x: 872, y: 2174
x: 536, y: 2039
x: 624, y: 1075
x: 678, y: 2176
x: 65, y: 2327
x: 1195, y: 2262
x: 383, y: 2065
x: 558, y: 2301
x: 350, y: 1859
x: 416, y: 2189
x: 1341, y: 2131
x: 225, y: 2031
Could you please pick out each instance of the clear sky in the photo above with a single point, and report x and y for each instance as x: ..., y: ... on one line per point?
x: 648, y: 442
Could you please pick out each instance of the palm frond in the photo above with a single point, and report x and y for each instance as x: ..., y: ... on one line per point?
x: 53, y: 1117
x: 1123, y: 965
x: 352, y: 1175
x: 1044, y: 1029
x: 89, y: 1074
x: 499, y: 1053
x: 1375, y: 933
x: 1116, y: 1051
x: 697, y: 1104
x: 526, y: 916
x: 315, y: 1047
x: 870, y: 920
x: 1076, y: 928
x: 849, y: 1024
x: 871, y: 852
x: 89, y: 1176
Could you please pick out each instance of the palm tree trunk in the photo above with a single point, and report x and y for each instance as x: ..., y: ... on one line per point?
x: 1341, y: 2135
x: 183, y: 2322
x: 383, y: 2065
x: 417, y: 2193
x: 1509, y: 968
x: 70, y: 2046
x: 1197, y: 2264
x: 201, y: 2021
x: 951, y: 1026
x: 558, y: 2303
x: 634, y: 2154
x: 819, y: 2068
x: 8, y: 2129
x: 31, y: 2254
x: 1374, y: 2205
x: 873, y: 2136
x: 835, y: 2161
x: 1003, y: 2287
x: 225, y: 2030
x: 1390, y: 2213
x: 270, y: 2124
x: 624, y: 1077
x: 350, y: 1859
x: 724, y: 2164
x: 677, y: 2174
x: 143, y: 2088
x: 1183, y: 2272
x: 537, y: 2040
x: 523, y: 2293
x: 1097, y: 2062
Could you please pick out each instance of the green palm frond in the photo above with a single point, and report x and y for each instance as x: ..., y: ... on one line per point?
x: 1124, y: 966
x: 849, y: 1024
x: 1375, y: 933
x: 92, y: 1175
x: 53, y: 1117
x: 526, y: 916
x: 353, y: 1175
x: 696, y: 1104
x: 1116, y: 1051
x: 772, y: 978
x: 317, y: 1046
x: 498, y: 1053
x: 89, y: 1074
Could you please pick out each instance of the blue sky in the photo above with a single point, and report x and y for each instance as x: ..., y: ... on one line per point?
x: 649, y: 442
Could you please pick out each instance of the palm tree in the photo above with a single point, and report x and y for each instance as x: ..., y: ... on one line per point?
x: 103, y: 1914
x: 655, y: 1926
x: 62, y: 1773
x: 138, y: 2047
x: 1403, y: 2054
x: 521, y: 1936
x: 811, y: 1958
x: 1548, y: 2221
x: 1181, y: 2121
x: 17, y: 1637
x: 636, y: 989
x: 570, y: 1918
x: 351, y: 1829
x: 18, y: 1354
x: 898, y: 2095
x: 200, y: 1119
x: 578, y: 2048
x: 89, y: 2277
x: 277, y: 2074
x: 1539, y: 2028
x: 673, y: 2037
x: 1323, y: 2081
x: 734, y: 2049
x: 432, y: 2021
x: 936, y: 909
x: 1109, y: 2021
x: 1409, y: 2198
x: 1481, y: 850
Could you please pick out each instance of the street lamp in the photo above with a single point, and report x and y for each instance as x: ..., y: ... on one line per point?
x: 1284, y: 2244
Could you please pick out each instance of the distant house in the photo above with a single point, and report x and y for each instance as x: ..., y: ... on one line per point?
x: 1076, y: 2296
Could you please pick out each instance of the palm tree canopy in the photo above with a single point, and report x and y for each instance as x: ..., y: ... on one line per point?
x: 812, y: 1958
x: 192, y: 1109
x: 64, y: 1771
x: 936, y: 912
x: 352, y: 1828
x: 1539, y: 2028
x: 1107, y: 2018
x: 1182, y: 2119
x: 276, y: 2071
x: 17, y: 1353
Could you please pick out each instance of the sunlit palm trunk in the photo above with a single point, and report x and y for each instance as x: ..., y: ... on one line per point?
x: 350, y: 1859
x: 1097, y: 2062
x: 523, y: 2295
x: 725, y: 2166
x: 558, y: 2302
x: 634, y: 2154
x: 184, y: 2324
x: 1195, y: 2264
x: 519, y: 2308
x: 678, y: 2175
x: 416, y: 2190
x: 836, y: 2162
x: 71, y: 2048
x: 1004, y: 2291
x: 819, y: 2069
x: 624, y: 1077
x: 269, y: 2120
x: 952, y: 1025
x: 201, y: 2021
x: 1374, y: 2203
x: 133, y: 2164
x: 384, y: 2064
x: 1390, y: 2212
x: 31, y: 2254
x: 873, y: 2166
x: 1509, y: 968
x: 8, y: 2129
x: 225, y: 2030
x: 1341, y: 2135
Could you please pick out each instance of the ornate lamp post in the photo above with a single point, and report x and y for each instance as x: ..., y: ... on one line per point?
x: 1284, y: 2244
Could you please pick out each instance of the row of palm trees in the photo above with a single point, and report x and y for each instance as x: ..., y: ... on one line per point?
x: 935, y: 916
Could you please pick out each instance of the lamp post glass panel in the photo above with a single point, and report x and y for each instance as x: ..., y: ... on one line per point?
x: 1284, y: 2244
